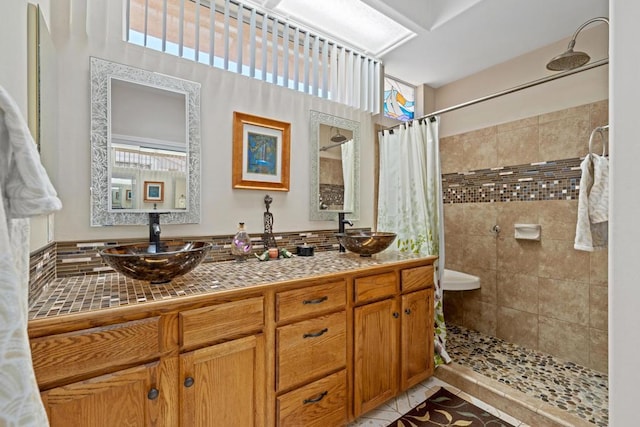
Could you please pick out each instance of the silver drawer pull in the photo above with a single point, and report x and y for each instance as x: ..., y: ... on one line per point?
x: 316, y: 301
x: 316, y: 334
x: 315, y: 399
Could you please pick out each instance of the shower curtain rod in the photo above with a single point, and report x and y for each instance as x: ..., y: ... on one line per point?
x: 511, y: 90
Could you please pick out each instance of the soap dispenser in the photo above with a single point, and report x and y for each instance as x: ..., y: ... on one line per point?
x: 241, y: 243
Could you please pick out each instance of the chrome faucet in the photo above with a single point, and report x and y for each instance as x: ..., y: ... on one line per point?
x: 154, y: 232
x: 341, y: 222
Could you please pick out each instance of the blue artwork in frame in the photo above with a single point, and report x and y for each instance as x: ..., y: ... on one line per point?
x: 260, y: 153
x: 262, y: 156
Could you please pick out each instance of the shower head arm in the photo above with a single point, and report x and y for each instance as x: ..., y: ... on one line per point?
x: 572, y: 42
x: 570, y: 59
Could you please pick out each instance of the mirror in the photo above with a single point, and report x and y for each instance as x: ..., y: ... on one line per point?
x: 335, y: 167
x: 145, y: 146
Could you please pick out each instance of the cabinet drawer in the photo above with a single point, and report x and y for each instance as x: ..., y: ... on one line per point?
x: 79, y: 354
x: 309, y: 349
x: 309, y: 301
x: 321, y: 403
x: 375, y: 287
x: 417, y: 278
x: 209, y: 324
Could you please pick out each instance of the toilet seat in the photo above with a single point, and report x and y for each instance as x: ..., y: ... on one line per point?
x: 459, y: 281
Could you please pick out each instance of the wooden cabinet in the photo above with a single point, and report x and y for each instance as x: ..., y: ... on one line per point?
x: 198, y: 367
x: 310, y: 300
x: 60, y: 358
x: 206, y: 325
x: 305, y: 352
x: 393, y: 336
x: 416, y: 345
x: 224, y: 384
x: 124, y: 398
x: 417, y: 331
x: 311, y: 356
x: 375, y: 354
x: 321, y: 403
x: 310, y: 348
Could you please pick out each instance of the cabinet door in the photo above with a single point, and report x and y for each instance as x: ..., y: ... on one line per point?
x: 417, y: 337
x: 224, y: 385
x: 126, y: 398
x: 375, y: 354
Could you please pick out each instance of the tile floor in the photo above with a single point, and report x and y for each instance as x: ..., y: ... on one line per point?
x: 570, y: 387
x: 394, y: 409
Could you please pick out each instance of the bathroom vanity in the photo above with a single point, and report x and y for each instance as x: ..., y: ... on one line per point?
x: 303, y: 341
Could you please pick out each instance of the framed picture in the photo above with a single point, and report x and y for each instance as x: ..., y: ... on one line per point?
x: 260, y: 153
x: 153, y: 191
x: 128, y: 195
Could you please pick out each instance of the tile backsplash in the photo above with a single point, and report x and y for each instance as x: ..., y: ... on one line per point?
x: 65, y: 259
x: 42, y: 269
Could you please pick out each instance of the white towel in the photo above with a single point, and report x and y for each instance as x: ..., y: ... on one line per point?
x: 25, y: 191
x: 592, y: 227
x: 599, y: 194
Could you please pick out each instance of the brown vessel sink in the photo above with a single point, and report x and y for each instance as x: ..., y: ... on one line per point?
x: 174, y: 259
x: 366, y: 243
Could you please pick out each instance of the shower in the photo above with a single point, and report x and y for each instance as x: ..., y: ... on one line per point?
x: 571, y: 59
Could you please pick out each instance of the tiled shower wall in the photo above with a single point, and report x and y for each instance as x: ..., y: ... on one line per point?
x: 544, y: 295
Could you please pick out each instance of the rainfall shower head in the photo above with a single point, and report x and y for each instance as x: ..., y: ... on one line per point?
x: 568, y: 60
x: 571, y: 59
x: 338, y: 137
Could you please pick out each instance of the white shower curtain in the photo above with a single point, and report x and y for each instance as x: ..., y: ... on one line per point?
x: 410, y: 201
x: 348, y: 174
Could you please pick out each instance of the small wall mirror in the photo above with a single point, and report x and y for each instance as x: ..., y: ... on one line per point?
x: 145, y: 146
x: 335, y: 167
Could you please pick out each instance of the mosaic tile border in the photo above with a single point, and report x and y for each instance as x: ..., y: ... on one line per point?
x: 552, y: 180
x: 42, y: 269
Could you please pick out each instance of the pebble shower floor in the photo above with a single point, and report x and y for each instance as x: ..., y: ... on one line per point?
x: 566, y: 385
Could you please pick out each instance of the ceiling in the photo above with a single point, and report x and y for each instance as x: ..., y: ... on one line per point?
x: 457, y: 38
x: 471, y: 35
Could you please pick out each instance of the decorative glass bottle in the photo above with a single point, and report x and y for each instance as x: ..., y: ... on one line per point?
x: 241, y: 243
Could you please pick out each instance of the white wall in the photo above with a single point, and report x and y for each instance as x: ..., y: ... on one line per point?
x: 624, y: 233
x: 578, y: 89
x: 13, y: 45
x: 75, y: 40
x: 13, y: 78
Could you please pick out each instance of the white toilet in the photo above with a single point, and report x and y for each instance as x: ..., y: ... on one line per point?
x: 459, y: 281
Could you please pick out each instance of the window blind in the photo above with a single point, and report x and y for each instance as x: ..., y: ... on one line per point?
x: 242, y: 39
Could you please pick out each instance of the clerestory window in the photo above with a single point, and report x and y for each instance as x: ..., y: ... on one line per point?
x: 250, y: 42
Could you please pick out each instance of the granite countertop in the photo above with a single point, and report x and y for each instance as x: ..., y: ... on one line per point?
x: 95, y: 292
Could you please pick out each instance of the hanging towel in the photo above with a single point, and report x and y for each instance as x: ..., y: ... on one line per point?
x: 592, y: 228
x: 25, y: 191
